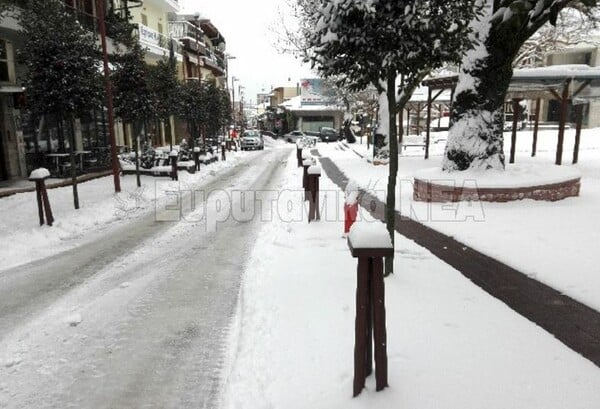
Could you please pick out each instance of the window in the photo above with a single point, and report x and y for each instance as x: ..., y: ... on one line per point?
x: 4, y: 76
x: 144, y: 20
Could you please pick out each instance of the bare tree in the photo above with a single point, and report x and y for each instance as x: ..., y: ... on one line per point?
x: 573, y: 27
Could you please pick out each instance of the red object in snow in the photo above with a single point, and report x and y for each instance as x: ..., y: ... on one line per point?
x: 350, y: 213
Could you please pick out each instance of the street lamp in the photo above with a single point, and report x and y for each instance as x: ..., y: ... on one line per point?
x: 109, y: 99
x: 233, y: 79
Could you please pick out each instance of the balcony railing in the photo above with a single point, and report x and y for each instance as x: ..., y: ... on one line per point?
x: 154, y: 38
x: 184, y: 29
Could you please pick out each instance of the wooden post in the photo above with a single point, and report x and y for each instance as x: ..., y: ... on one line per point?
x: 535, y: 126
x: 314, y: 172
x: 370, y: 304
x: 39, y: 176
x: 563, y: 119
x: 513, y: 139
x: 299, y: 155
x: 173, y: 157
x: 579, y: 115
x: 305, y: 165
x: 38, y: 191
x: 427, y: 125
x: 360, y: 325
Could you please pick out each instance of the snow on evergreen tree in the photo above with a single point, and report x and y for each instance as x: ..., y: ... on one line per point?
x: 376, y: 43
x: 475, y: 139
x: 134, y: 101
x: 61, y: 58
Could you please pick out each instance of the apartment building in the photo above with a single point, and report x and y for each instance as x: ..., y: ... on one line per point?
x: 25, y: 141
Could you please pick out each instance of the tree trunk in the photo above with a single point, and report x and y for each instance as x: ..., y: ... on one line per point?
x: 475, y: 139
x: 73, y: 164
x: 137, y: 157
x: 390, y: 205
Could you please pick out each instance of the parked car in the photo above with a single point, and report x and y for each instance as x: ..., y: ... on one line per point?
x: 328, y: 134
x: 292, y: 137
x: 252, y: 139
x: 269, y: 133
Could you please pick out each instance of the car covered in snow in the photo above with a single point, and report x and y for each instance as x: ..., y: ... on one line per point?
x: 328, y: 134
x: 252, y: 139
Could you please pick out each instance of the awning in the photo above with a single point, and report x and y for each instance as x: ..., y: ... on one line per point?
x: 11, y: 89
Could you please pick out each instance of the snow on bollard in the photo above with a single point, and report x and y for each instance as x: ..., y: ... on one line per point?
x: 173, y: 159
x: 314, y: 173
x: 370, y: 243
x: 39, y: 176
x: 351, y: 205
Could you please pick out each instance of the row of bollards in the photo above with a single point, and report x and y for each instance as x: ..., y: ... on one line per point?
x: 370, y: 243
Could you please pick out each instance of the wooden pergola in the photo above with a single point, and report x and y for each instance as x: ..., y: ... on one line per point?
x: 576, y: 83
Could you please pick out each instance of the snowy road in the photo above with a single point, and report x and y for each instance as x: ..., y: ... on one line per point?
x: 139, y: 318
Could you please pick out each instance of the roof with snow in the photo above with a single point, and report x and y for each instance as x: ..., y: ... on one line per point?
x: 536, y: 82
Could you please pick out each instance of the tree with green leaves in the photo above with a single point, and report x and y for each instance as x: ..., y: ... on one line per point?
x: 164, y: 85
x: 475, y: 139
x: 134, y: 101
x: 191, y: 107
x: 391, y: 45
x: 61, y: 58
x: 217, y: 110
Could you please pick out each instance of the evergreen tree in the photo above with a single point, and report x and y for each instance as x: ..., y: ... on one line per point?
x: 61, y: 58
x: 134, y: 101
x: 217, y: 108
x: 164, y: 85
x: 475, y: 138
x: 375, y: 43
x: 191, y: 107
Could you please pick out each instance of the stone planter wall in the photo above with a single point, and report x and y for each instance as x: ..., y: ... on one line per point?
x: 426, y: 191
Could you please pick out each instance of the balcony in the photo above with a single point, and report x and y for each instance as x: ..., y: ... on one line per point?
x: 156, y: 42
x: 180, y: 30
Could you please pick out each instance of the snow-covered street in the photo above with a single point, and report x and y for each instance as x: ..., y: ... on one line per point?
x: 140, y: 315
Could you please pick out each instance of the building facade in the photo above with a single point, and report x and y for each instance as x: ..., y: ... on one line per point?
x: 26, y: 142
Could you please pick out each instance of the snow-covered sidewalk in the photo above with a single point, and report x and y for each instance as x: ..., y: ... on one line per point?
x: 450, y: 344
x: 553, y: 242
x: 22, y: 239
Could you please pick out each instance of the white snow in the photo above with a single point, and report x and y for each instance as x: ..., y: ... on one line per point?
x: 297, y: 330
x: 352, y: 192
x: 22, y: 239
x: 515, y: 176
x: 314, y: 170
x: 366, y: 235
x: 560, y: 237
x: 39, y: 173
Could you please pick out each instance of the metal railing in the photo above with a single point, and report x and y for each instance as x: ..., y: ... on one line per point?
x: 149, y: 36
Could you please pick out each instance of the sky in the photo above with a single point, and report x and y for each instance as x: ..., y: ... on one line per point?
x: 247, y: 28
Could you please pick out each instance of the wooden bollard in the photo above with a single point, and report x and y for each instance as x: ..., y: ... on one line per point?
x: 173, y: 156
x: 39, y: 176
x: 196, y: 158
x: 370, y: 243
x: 299, y: 152
x: 314, y: 173
x: 306, y: 163
x: 223, y: 148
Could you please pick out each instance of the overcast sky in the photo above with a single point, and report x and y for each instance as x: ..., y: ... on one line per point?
x: 246, y: 28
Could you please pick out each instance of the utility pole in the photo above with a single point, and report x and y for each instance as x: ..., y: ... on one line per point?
x: 109, y: 97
